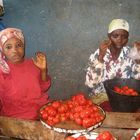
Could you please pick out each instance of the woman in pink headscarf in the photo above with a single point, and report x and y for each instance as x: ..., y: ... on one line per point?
x: 23, y: 82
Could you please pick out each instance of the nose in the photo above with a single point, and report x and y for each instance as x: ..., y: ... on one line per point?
x: 14, y: 49
x: 120, y: 38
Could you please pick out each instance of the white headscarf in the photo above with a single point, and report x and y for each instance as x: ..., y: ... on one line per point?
x: 118, y: 24
x: 5, y: 35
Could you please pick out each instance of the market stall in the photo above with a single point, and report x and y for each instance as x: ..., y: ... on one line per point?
x: 122, y: 126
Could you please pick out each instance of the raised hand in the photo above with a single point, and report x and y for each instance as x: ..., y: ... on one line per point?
x: 103, y: 48
x: 40, y: 61
x: 137, y: 45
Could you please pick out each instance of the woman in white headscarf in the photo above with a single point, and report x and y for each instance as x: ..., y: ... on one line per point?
x: 111, y: 59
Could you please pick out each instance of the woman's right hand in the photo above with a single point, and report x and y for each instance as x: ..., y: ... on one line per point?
x: 137, y: 45
x: 103, y: 48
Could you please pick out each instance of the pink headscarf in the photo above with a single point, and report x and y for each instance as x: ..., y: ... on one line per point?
x: 5, y: 35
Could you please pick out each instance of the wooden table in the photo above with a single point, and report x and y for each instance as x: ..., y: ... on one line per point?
x: 122, y: 126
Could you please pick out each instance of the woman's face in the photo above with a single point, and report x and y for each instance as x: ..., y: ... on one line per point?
x: 119, y: 38
x: 14, y: 50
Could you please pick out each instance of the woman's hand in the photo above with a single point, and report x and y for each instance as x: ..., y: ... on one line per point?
x: 40, y: 61
x: 103, y: 48
x: 137, y: 45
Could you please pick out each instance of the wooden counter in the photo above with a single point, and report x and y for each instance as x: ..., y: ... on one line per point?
x: 122, y: 126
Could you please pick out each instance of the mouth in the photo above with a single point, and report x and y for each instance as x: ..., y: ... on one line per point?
x: 16, y: 58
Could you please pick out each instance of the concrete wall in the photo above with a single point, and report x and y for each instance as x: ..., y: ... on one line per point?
x: 68, y: 31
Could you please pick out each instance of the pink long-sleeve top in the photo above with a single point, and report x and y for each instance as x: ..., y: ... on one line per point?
x: 22, y: 92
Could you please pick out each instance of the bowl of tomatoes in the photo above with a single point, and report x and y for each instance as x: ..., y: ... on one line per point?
x: 123, y: 94
x: 75, y: 115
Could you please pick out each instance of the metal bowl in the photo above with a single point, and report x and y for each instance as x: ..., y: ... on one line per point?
x: 89, y: 135
x: 70, y: 126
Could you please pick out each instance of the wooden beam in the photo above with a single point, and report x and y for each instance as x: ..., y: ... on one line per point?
x: 122, y: 120
x: 26, y: 129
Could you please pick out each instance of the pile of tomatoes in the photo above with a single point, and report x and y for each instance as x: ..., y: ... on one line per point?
x: 105, y: 135
x: 78, y: 109
x: 125, y: 90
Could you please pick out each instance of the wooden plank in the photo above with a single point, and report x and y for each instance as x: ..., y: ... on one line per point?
x: 120, y: 134
x: 122, y: 120
x: 26, y: 129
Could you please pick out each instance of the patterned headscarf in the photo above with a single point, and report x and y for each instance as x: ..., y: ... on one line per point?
x: 5, y: 35
x: 118, y: 24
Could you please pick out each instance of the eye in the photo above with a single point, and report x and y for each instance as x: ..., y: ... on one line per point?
x: 8, y: 47
x: 114, y: 35
x: 19, y: 45
x: 124, y: 36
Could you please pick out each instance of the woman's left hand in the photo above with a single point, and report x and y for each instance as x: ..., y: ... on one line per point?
x: 40, y: 61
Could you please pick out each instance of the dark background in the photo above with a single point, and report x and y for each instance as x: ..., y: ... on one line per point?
x: 68, y: 31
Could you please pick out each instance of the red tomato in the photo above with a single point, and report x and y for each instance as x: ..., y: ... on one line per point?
x: 76, y: 115
x: 85, y: 113
x: 105, y: 135
x: 82, y: 101
x: 79, y: 98
x: 95, y: 108
x: 56, y: 104
x: 124, y: 87
x: 42, y: 111
x: 50, y: 122
x: 78, y: 108
x: 117, y: 89
x: 87, y: 122
x: 50, y: 118
x: 81, y: 138
x: 56, y: 120
x: 70, y: 138
x: 134, y: 93
x: 45, y: 115
x: 52, y: 111
x: 63, y: 108
x: 79, y: 121
x: 70, y: 104
x: 71, y: 116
